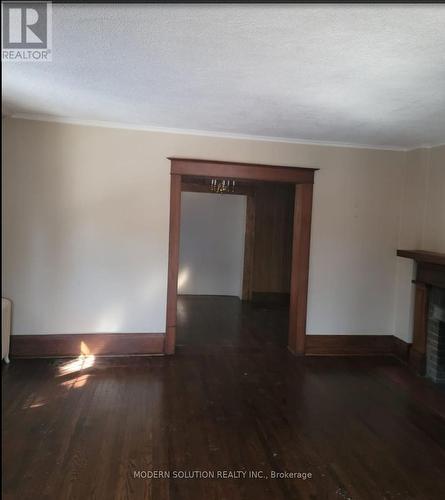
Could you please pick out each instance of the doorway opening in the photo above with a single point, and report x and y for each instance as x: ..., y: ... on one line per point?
x: 258, y: 253
x: 234, y: 262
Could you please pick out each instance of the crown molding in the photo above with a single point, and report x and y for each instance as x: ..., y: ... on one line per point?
x: 202, y: 133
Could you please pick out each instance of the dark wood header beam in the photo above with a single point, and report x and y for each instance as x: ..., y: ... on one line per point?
x: 245, y: 171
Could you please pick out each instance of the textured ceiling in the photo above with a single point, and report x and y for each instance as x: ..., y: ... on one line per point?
x: 350, y: 74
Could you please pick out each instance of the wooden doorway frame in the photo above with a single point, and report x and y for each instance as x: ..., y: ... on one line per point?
x: 302, y: 178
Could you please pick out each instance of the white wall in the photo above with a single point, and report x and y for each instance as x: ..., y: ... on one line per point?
x: 422, y: 225
x: 212, y: 244
x: 86, y: 227
x: 433, y: 233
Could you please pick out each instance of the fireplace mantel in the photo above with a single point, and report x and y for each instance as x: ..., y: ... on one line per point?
x: 430, y: 272
x: 423, y: 256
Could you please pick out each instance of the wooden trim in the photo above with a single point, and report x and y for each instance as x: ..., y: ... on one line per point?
x: 420, y: 318
x: 196, y: 187
x: 195, y: 161
x: 430, y: 272
x: 249, y: 248
x: 356, y: 345
x: 303, y: 178
x: 173, y: 262
x: 246, y: 171
x: 300, y: 267
x: 417, y: 361
x: 423, y: 256
x: 400, y: 349
x: 271, y: 299
x: 417, y: 353
x: 99, y: 344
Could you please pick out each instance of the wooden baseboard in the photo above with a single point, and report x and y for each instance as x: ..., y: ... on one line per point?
x: 348, y: 345
x: 99, y: 344
x: 417, y: 361
x: 356, y: 345
x: 140, y: 344
x: 401, y: 349
x: 270, y: 299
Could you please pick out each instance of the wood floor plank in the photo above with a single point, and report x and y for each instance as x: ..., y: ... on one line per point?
x: 232, y: 398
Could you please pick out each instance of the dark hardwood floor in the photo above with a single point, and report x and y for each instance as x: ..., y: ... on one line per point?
x: 231, y: 399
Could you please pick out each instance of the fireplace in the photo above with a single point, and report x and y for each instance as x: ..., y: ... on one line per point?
x: 427, y: 352
x: 435, y: 337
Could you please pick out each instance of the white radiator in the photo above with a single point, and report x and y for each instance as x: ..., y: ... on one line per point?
x: 6, y: 328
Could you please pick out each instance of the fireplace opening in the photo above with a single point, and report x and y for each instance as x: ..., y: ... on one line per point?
x: 435, y: 345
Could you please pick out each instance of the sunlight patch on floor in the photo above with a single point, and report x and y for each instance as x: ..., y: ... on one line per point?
x: 77, y: 382
x: 83, y: 362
